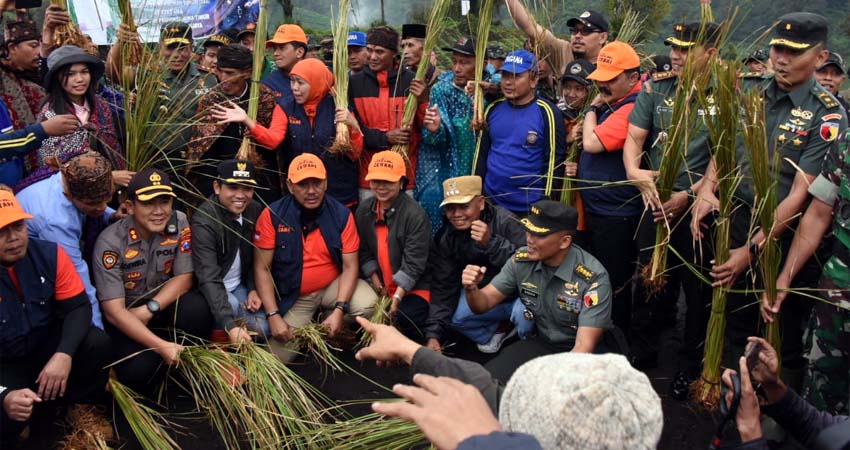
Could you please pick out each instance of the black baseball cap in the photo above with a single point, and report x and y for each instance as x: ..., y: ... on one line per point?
x: 800, y: 31
x: 662, y: 63
x: 687, y: 35
x: 175, y: 33
x: 237, y: 171
x: 590, y: 19
x: 759, y: 55
x: 578, y: 70
x: 549, y: 216
x: 149, y: 184
x: 465, y: 45
x: 222, y: 38
x: 834, y: 60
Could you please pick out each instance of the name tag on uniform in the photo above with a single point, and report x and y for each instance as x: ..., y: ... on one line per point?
x: 528, y: 293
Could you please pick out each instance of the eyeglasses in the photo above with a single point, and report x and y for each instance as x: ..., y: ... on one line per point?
x: 584, y: 31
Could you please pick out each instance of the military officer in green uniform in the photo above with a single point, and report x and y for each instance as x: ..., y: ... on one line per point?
x: 143, y: 272
x: 565, y: 290
x: 828, y: 335
x: 693, y: 46
x: 803, y: 122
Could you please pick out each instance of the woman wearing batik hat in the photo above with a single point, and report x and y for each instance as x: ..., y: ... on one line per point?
x: 395, y: 233
x: 71, y: 85
x: 312, y: 116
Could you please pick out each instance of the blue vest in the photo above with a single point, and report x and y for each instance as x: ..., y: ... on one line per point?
x: 301, y: 137
x: 288, y: 262
x: 278, y: 82
x: 618, y: 201
x: 24, y: 322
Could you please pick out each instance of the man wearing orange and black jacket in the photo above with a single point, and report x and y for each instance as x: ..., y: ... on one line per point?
x: 377, y: 95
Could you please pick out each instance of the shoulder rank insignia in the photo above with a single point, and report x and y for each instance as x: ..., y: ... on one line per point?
x: 658, y: 76
x: 521, y: 255
x: 750, y: 75
x: 827, y: 99
x: 584, y: 272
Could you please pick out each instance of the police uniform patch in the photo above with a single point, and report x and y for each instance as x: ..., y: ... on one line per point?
x: 658, y: 76
x: 185, y: 240
x: 833, y: 116
x: 134, y: 235
x: 829, y: 131
x: 168, y: 266
x: 131, y: 253
x: 130, y: 285
x: 134, y: 275
x: 591, y: 298
x: 168, y: 242
x: 109, y: 259
x: 521, y: 255
x: 171, y: 228
x: 584, y: 272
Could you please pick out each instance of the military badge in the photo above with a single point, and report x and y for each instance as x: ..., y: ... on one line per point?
x: 829, y: 131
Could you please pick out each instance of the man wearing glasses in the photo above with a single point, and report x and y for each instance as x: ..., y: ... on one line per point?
x: 588, y: 34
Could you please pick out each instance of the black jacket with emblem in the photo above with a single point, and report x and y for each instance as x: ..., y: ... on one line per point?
x: 453, y: 249
x: 216, y: 237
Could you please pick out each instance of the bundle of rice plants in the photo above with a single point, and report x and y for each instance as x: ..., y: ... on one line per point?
x: 313, y: 337
x: 247, y: 150
x: 68, y: 34
x: 485, y: 18
x: 147, y: 424
x: 706, y: 15
x: 375, y: 431
x: 132, y: 51
x: 435, y: 26
x: 339, y: 30
x: 381, y: 316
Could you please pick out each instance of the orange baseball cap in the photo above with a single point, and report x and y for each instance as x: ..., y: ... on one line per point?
x: 306, y: 165
x: 10, y: 209
x: 386, y: 166
x: 287, y: 33
x: 614, y: 59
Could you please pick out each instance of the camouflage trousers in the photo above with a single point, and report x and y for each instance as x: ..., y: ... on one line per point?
x: 827, y: 383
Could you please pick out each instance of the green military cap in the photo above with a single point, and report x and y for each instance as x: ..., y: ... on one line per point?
x: 549, y: 216
x: 687, y: 35
x: 175, y: 33
x: 800, y: 30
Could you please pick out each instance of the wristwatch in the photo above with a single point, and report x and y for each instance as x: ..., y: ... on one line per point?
x: 344, y: 306
x: 153, y: 306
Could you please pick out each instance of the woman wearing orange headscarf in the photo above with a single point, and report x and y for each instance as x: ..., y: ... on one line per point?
x: 311, y: 128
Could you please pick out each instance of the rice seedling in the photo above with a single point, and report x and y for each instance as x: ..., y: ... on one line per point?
x: 381, y: 316
x: 70, y: 33
x: 435, y: 26
x: 146, y: 423
x: 485, y: 19
x: 82, y: 439
x: 313, y: 338
x: 723, y: 131
x: 339, y: 30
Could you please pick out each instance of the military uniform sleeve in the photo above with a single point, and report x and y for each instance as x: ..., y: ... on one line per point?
x: 183, y: 257
x: 642, y: 114
x: 108, y: 275
x: 506, y: 281
x: 596, y: 311
x: 826, y: 186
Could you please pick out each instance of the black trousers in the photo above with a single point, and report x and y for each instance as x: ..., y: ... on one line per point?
x: 86, y: 382
x: 648, y: 309
x: 411, y: 317
x: 612, y: 242
x: 144, y: 372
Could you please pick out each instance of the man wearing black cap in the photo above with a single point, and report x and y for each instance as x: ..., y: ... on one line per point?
x: 831, y: 75
x: 211, y: 47
x: 448, y: 141
x: 660, y: 63
x: 804, y: 122
x: 565, y: 290
x: 694, y: 46
x: 222, y: 253
x: 588, y: 34
x: 575, y: 89
x: 756, y: 62
x: 412, y: 41
x: 143, y: 274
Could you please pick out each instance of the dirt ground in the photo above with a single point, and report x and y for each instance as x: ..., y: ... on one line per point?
x: 684, y: 426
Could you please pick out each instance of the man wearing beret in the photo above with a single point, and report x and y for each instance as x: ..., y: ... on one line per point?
x: 803, y: 124
x: 564, y: 289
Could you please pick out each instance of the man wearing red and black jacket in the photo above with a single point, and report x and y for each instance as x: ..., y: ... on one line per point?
x: 377, y: 95
x: 48, y: 347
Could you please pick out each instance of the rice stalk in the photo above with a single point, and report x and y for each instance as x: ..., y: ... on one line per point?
x: 764, y: 171
x: 147, y: 424
x: 723, y: 131
x: 705, y: 12
x: 68, y: 34
x: 631, y: 29
x: 434, y: 30
x: 83, y: 439
x: 485, y: 18
x: 247, y: 149
x: 375, y: 431
x: 339, y: 30
x: 313, y: 337
x: 381, y: 316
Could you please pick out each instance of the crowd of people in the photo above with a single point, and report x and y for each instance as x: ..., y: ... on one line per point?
x: 465, y: 225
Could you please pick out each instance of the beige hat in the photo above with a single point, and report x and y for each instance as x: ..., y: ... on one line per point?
x: 461, y: 190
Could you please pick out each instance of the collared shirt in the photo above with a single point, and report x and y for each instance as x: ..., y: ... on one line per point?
x: 130, y: 267
x: 575, y: 294
x: 56, y: 219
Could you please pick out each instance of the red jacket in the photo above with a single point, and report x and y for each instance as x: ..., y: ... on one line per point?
x: 378, y: 102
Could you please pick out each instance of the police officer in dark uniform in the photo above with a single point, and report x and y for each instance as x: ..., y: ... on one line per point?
x: 803, y: 123
x: 143, y: 274
x: 564, y: 289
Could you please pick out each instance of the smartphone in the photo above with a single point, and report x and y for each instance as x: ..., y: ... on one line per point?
x: 27, y: 4
x: 752, y: 355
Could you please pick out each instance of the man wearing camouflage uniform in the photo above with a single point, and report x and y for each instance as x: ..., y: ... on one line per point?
x: 826, y: 383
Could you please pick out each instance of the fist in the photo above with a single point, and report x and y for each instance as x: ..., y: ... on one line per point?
x: 472, y: 276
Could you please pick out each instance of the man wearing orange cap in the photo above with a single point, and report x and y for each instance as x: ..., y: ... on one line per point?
x: 288, y: 45
x: 48, y: 348
x: 306, y: 258
x: 396, y: 233
x: 611, y: 212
